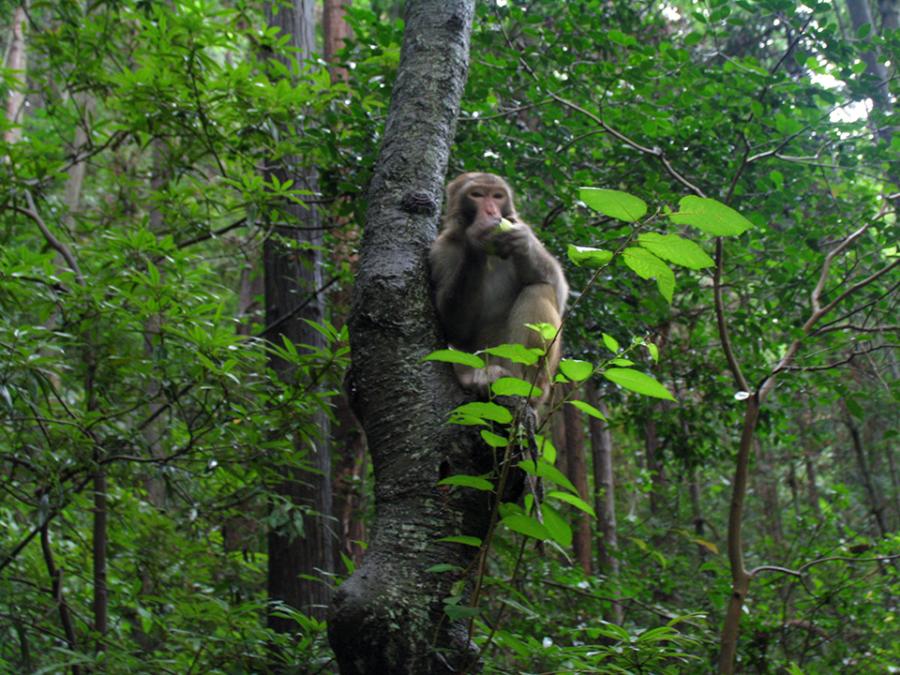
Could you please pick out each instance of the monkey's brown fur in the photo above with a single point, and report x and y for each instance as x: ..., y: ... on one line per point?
x: 490, y: 282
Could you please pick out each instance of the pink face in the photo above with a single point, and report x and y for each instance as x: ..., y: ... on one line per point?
x: 487, y: 204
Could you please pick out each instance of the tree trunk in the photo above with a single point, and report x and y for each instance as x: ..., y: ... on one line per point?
x: 654, y: 464
x: 334, y: 31
x: 292, y: 283
x: 876, y: 507
x: 604, y: 494
x: 740, y: 578
x: 767, y: 489
x: 16, y: 61
x: 388, y: 617
x: 577, y: 473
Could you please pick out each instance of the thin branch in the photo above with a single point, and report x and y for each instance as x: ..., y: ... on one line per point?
x: 54, y: 243
x: 724, y: 336
x: 802, y: 569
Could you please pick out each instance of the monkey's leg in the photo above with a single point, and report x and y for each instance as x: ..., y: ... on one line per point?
x: 536, y: 304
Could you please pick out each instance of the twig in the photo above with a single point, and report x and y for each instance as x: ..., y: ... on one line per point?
x: 54, y: 243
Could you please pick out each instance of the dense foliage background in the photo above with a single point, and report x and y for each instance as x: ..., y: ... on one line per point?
x: 147, y: 417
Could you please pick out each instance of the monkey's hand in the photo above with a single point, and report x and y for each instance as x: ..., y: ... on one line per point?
x: 514, y: 241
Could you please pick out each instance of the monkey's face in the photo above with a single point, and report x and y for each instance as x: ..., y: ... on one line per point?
x: 483, y: 206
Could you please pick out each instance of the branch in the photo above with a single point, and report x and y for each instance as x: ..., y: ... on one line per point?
x: 802, y: 569
x: 733, y: 364
x: 54, y: 243
x: 842, y: 362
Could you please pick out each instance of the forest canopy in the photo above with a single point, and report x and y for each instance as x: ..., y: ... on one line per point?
x: 190, y: 196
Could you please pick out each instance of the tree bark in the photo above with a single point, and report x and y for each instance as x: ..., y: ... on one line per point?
x: 334, y: 31
x: 16, y: 61
x: 388, y: 617
x: 293, y: 277
x: 604, y: 494
x: 577, y: 473
x: 740, y: 578
x: 876, y: 507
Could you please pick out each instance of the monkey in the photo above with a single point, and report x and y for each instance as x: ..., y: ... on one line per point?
x: 491, y: 276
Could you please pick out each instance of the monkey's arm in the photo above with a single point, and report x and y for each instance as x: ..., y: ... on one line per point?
x: 457, y: 272
x: 534, y: 264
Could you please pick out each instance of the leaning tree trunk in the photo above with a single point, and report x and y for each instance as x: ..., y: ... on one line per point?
x: 388, y: 617
x: 292, y: 262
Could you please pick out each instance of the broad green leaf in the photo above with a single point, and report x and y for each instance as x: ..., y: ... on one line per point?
x: 622, y: 362
x: 460, y: 612
x: 516, y: 353
x: 456, y: 356
x: 484, y: 410
x: 574, y: 500
x: 547, y: 330
x: 610, y: 343
x: 462, y: 480
x: 635, y: 380
x: 587, y: 256
x: 462, y: 539
x: 546, y: 448
x: 648, y: 266
x: 443, y: 567
x: 708, y: 545
x: 676, y: 250
x: 575, y: 370
x: 587, y: 408
x: 710, y: 216
x: 494, y: 440
x: 544, y: 470
x: 614, y: 203
x: 654, y: 351
x: 519, y: 522
x: 514, y: 386
x: 560, y: 531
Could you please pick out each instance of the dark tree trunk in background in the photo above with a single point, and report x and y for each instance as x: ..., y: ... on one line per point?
x: 604, y: 495
x: 334, y: 31
x: 293, y: 278
x: 576, y: 466
x: 388, y: 617
x: 654, y: 463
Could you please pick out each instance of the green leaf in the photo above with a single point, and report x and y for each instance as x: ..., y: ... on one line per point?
x: 462, y: 539
x: 547, y: 330
x: 610, y: 343
x: 516, y: 353
x: 514, y: 386
x: 648, y: 266
x: 621, y: 362
x: 575, y: 370
x: 456, y: 356
x: 574, y: 500
x: 560, y: 531
x: 460, y: 612
x: 462, y: 480
x: 587, y: 408
x: 494, y: 440
x: 519, y: 522
x: 614, y: 203
x: 654, y: 351
x: 443, y: 567
x: 482, y: 410
x: 544, y: 470
x: 710, y: 216
x: 546, y: 449
x: 676, y: 250
x: 635, y: 380
x: 587, y: 256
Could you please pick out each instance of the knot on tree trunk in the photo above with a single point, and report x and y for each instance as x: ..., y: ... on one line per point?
x: 418, y: 203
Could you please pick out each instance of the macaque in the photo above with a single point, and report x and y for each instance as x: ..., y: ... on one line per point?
x: 491, y: 276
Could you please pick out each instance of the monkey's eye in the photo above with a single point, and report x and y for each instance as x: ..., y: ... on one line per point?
x: 478, y: 194
x: 499, y: 195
